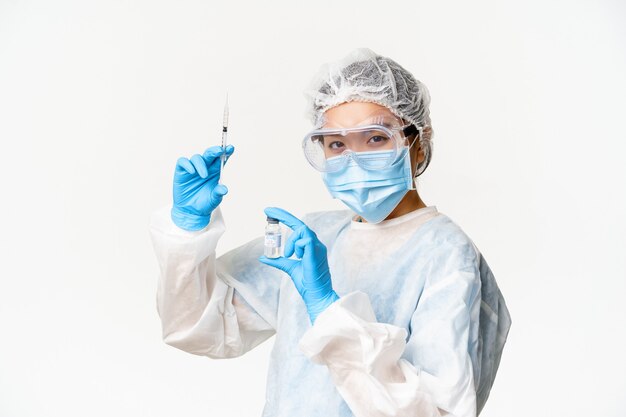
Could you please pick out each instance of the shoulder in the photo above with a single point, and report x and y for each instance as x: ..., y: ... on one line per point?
x: 448, y: 240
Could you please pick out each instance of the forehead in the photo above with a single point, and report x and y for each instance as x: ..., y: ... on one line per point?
x: 357, y: 113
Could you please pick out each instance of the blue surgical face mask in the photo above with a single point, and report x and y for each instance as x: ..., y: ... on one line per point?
x: 372, y: 194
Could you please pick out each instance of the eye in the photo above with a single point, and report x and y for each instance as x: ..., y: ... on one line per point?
x: 336, y: 145
x: 377, y: 140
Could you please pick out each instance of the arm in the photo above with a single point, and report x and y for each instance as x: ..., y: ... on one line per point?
x: 379, y: 373
x: 221, y: 307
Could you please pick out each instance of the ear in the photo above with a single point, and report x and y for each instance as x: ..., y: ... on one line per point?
x: 425, y: 133
x: 421, y: 156
x: 417, y: 153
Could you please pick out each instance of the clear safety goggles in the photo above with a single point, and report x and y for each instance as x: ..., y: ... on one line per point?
x: 372, y: 146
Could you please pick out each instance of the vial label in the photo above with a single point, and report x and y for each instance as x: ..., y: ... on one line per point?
x: 272, y: 244
x: 273, y: 240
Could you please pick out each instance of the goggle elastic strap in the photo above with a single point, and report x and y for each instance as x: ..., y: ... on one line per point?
x: 409, y: 130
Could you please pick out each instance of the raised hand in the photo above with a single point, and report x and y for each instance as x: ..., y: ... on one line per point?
x: 196, y: 189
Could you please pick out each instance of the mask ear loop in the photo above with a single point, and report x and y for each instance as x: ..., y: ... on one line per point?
x: 414, y: 177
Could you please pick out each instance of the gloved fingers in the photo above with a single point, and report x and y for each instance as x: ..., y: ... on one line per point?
x: 200, y: 166
x: 214, y: 153
x: 214, y: 165
x: 220, y: 189
x: 284, y: 217
x: 229, y: 151
x: 282, y: 263
x: 217, y: 194
x: 301, y: 245
x: 298, y: 233
x: 184, y: 164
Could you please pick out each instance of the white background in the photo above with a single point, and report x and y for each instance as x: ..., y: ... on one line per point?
x: 99, y: 98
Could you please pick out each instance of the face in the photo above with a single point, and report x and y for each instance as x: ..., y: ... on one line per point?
x: 354, y: 114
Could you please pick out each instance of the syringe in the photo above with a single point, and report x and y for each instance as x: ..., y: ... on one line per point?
x: 224, y: 139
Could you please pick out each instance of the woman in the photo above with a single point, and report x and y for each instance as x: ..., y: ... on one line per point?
x: 386, y: 309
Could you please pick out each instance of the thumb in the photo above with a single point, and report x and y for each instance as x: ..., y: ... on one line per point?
x: 217, y: 194
x: 282, y: 263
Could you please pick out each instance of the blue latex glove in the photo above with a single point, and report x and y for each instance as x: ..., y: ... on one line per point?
x: 310, y: 273
x: 196, y: 191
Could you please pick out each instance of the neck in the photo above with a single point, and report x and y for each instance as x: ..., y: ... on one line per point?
x: 409, y: 203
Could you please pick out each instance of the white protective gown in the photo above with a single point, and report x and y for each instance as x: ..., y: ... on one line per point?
x: 418, y: 331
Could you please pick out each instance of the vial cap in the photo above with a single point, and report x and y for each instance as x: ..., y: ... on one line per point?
x: 272, y: 220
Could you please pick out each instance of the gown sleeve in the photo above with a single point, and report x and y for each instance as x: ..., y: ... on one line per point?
x: 216, y: 307
x: 380, y: 372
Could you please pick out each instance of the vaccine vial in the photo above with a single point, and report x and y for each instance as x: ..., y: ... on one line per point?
x: 273, y: 238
